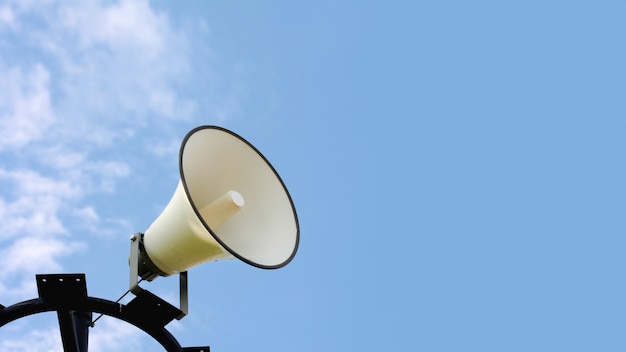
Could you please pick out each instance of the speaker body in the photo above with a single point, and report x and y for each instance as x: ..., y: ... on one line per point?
x: 264, y: 232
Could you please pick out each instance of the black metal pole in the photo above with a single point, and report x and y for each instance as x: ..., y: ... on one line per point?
x: 74, y: 326
x: 82, y: 321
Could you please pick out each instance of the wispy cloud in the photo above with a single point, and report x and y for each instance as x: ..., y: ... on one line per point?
x: 29, y: 255
x: 107, y: 335
x: 115, y: 335
x: 25, y: 107
x: 31, y: 207
x: 81, y: 79
x: 80, y: 82
x: 91, y: 94
x: 126, y: 58
x: 35, y: 340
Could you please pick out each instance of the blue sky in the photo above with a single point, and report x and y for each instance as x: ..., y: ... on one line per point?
x: 457, y: 167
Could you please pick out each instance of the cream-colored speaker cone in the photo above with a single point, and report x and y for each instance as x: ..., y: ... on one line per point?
x: 206, y: 218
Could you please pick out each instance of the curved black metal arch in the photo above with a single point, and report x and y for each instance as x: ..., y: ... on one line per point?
x: 67, y: 295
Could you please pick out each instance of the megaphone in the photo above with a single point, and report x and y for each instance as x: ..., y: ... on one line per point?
x: 229, y: 203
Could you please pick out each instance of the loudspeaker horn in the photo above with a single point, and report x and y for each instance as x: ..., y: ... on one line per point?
x: 229, y: 203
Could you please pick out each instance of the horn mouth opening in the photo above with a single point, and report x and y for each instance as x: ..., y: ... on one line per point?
x: 269, y: 234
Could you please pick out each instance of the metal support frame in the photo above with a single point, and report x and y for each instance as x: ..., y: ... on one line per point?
x: 67, y: 295
x: 142, y: 266
x: 73, y: 323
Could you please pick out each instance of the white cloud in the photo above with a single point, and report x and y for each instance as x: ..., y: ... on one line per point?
x: 107, y: 172
x: 47, y: 340
x: 59, y: 157
x: 128, y: 25
x: 91, y: 92
x: 25, y: 107
x: 29, y: 183
x: 110, y: 334
x: 87, y: 213
x: 80, y: 80
x: 113, y: 66
x: 6, y: 17
x: 32, y: 205
x: 32, y: 255
x: 125, y: 55
x: 28, y: 256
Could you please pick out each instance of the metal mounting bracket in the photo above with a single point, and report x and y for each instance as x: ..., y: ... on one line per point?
x: 141, y: 266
